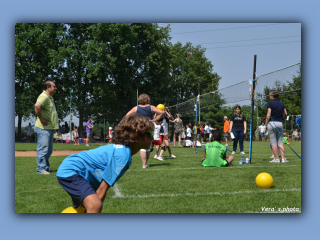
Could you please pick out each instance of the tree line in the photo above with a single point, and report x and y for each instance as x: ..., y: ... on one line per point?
x: 98, y: 67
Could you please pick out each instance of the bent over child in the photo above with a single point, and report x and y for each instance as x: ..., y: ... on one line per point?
x: 88, y: 175
x: 215, y: 154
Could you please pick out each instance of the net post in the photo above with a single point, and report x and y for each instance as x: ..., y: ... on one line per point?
x: 252, y: 106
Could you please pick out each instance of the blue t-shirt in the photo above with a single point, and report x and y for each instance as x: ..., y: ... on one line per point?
x: 277, y: 107
x: 106, y: 163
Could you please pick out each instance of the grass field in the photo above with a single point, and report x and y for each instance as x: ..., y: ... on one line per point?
x: 178, y: 185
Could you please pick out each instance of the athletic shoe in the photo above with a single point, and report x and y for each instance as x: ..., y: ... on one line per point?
x: 275, y: 160
x: 226, y: 145
x: 242, y: 152
x: 87, y: 145
x: 233, y: 152
x: 173, y: 147
x: 50, y: 170
x: 272, y: 156
x: 173, y: 156
x: 160, y: 158
x: 145, y: 166
x: 155, y: 156
x: 284, y: 160
x: 151, y: 149
x: 44, y: 173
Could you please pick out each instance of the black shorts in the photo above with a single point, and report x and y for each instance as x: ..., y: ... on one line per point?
x: 77, y: 187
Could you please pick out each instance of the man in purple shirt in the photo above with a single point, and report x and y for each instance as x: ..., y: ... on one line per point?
x: 89, y: 128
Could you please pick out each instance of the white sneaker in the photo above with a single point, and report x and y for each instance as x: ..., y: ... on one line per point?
x: 242, y: 152
x: 145, y: 166
x: 44, y: 172
x: 233, y: 152
x: 226, y: 145
x: 275, y: 160
x: 160, y: 158
x: 272, y: 156
x: 173, y: 156
x: 155, y: 156
x: 284, y: 160
x: 87, y: 145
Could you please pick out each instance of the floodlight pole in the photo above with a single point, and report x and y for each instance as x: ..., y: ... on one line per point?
x: 252, y: 105
x: 197, y: 109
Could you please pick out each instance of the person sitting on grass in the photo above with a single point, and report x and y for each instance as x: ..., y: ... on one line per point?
x: 215, y: 154
x: 88, y: 175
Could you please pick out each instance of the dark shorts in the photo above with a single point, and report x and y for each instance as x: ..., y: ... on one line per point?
x: 207, y: 135
x: 77, y: 187
x: 226, y: 135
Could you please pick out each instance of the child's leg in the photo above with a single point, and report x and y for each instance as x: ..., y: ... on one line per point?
x: 229, y: 160
x: 92, y: 203
x: 157, y: 146
x: 179, y: 138
x: 162, y: 151
x: 174, y: 140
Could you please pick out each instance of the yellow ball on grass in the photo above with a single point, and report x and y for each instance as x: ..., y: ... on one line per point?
x: 74, y: 210
x: 264, y: 180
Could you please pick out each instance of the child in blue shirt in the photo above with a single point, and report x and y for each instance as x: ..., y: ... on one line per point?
x: 88, y: 175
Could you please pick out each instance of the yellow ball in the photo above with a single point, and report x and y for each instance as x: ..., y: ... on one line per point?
x: 264, y: 180
x: 161, y: 107
x: 74, y: 210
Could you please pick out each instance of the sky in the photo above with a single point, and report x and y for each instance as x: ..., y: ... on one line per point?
x: 231, y: 48
x: 172, y: 226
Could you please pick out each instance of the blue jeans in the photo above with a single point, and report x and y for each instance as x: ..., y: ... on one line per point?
x: 238, y: 136
x: 44, y: 149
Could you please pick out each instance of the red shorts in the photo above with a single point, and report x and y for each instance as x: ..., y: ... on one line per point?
x: 162, y: 138
x: 157, y: 142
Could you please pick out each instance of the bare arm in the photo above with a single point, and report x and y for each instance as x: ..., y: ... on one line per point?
x: 268, y: 117
x: 285, y: 111
x: 230, y: 126
x: 133, y: 110
x: 38, y: 108
x: 245, y: 127
x: 102, y: 190
x: 156, y: 110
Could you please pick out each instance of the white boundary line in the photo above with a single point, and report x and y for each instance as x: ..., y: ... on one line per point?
x: 203, y: 168
x: 117, y: 192
x: 209, y: 193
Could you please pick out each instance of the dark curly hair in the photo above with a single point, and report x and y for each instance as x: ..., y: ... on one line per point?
x: 132, y: 128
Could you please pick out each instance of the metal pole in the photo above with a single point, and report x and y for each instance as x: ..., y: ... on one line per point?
x: 252, y: 106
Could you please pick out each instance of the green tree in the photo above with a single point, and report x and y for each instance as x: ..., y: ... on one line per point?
x: 33, y: 43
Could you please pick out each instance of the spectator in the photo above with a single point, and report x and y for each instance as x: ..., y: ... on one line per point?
x: 226, y: 129
x: 46, y: 123
x: 262, y: 132
x: 89, y: 128
x: 29, y: 132
x: 238, y: 127
x: 66, y: 127
x: 276, y: 111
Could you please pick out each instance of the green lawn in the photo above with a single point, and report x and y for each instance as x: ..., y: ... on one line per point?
x: 178, y: 185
